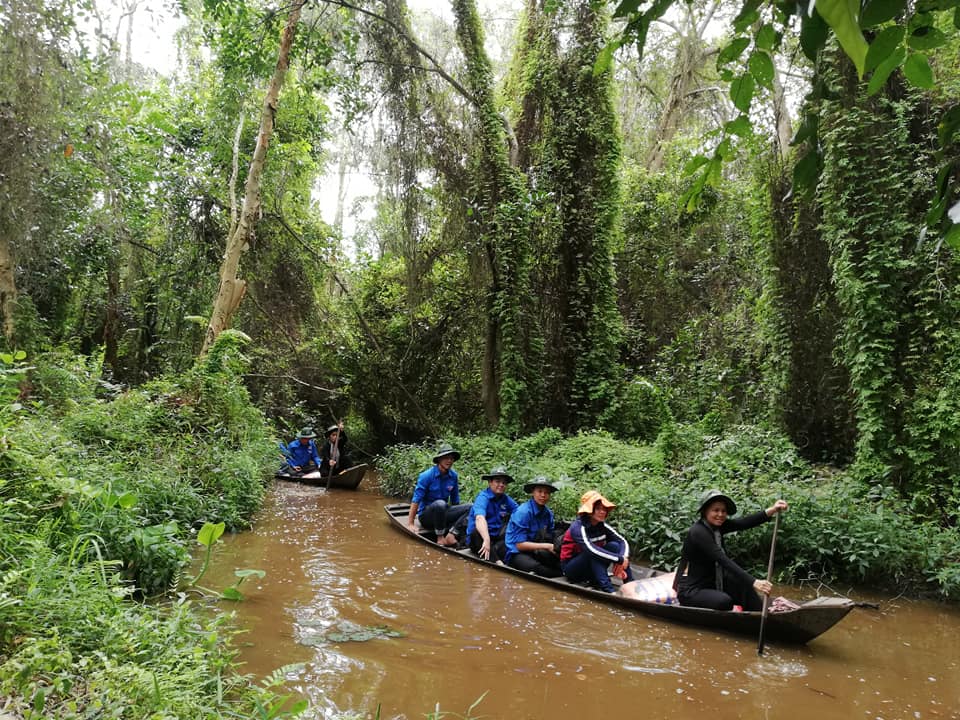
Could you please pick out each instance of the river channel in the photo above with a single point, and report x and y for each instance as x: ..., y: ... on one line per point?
x: 333, y: 562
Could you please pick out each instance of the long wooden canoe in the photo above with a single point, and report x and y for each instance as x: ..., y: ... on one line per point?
x: 800, y: 625
x: 349, y: 479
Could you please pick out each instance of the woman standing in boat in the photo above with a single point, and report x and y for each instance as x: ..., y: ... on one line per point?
x: 590, y: 546
x: 530, y: 532
x: 707, y: 577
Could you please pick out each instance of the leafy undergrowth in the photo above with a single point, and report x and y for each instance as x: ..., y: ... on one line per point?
x: 840, y: 527
x: 101, y: 495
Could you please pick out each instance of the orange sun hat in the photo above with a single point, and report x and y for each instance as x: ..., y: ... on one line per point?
x: 590, y: 498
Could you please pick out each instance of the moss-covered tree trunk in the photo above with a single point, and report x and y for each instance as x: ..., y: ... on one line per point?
x: 501, y: 213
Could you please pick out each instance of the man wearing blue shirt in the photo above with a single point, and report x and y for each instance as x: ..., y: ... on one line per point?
x: 530, y: 532
x: 302, y: 455
x: 491, y: 510
x: 436, y: 498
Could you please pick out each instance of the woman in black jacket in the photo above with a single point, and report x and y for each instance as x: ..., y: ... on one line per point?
x: 707, y: 577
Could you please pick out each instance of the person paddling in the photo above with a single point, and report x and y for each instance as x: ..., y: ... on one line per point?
x: 334, y: 454
x: 436, y: 497
x: 707, y: 577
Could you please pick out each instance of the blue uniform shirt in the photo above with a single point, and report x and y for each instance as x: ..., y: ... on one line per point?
x: 495, y: 508
x: 432, y: 485
x: 525, y: 523
x: 301, y: 455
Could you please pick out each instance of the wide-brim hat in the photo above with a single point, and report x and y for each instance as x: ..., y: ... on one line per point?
x: 590, y: 499
x: 710, y: 495
x: 331, y: 429
x: 498, y: 472
x: 539, y: 481
x: 307, y: 433
x: 445, y: 450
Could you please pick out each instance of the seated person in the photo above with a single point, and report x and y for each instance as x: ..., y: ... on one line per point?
x: 334, y: 454
x: 436, y: 498
x: 302, y: 455
x: 529, y: 538
x: 590, y: 546
x: 707, y: 577
x: 487, y: 519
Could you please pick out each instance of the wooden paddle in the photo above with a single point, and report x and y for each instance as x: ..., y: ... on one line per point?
x: 766, y: 597
x: 334, y: 447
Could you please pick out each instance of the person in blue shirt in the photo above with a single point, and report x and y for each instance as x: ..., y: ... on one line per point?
x: 302, y: 455
x: 529, y: 538
x: 590, y: 546
x: 436, y: 498
x: 487, y: 524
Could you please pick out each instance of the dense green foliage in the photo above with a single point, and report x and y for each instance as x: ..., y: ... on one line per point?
x: 839, y: 529
x: 100, y: 498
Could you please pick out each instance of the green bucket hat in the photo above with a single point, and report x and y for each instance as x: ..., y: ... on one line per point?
x: 540, y: 481
x: 498, y: 472
x: 710, y: 495
x: 307, y: 432
x: 445, y: 450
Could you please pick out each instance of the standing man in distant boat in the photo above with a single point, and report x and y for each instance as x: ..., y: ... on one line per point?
x: 529, y: 538
x: 436, y: 497
x: 302, y: 455
x: 489, y: 515
x: 334, y: 453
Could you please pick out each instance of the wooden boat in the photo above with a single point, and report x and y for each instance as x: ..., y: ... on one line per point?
x: 798, y: 625
x: 349, y: 479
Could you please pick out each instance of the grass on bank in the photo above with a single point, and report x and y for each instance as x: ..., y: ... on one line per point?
x: 839, y: 529
x: 101, y: 495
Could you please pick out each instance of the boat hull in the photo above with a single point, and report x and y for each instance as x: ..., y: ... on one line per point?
x: 349, y: 479
x: 798, y: 626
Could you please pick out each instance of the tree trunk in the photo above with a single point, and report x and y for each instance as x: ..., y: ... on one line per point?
x: 8, y: 288
x: 232, y: 288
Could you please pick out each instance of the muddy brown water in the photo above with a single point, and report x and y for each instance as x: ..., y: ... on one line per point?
x: 332, y: 559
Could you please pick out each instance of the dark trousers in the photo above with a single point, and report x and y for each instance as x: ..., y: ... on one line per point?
x: 586, y: 567
x: 734, y: 593
x: 440, y: 518
x: 498, y: 548
x: 540, y: 562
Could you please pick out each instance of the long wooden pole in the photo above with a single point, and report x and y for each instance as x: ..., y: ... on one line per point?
x: 766, y: 596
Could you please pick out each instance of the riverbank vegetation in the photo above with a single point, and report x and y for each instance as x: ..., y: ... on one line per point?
x: 103, y: 491
x: 709, y: 245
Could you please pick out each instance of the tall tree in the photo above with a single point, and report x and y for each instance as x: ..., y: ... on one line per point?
x: 232, y: 287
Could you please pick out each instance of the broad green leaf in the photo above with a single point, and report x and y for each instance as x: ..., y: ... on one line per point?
x: 884, y: 69
x: 766, y: 38
x: 694, y: 164
x: 761, y: 67
x: 732, y: 51
x: 127, y: 500
x: 605, y: 57
x: 627, y: 7
x: 841, y: 15
x: 232, y: 593
x: 927, y: 38
x: 948, y: 125
x: 885, y: 43
x: 952, y: 238
x: 740, y: 126
x: 880, y: 11
x: 809, y: 127
x: 806, y: 172
x: 741, y: 92
x: 745, y: 18
x: 20, y: 355
x: 813, y: 35
x: 248, y: 572
x: 6, y: 358
x: 725, y: 149
x: 210, y: 533
x: 918, y: 72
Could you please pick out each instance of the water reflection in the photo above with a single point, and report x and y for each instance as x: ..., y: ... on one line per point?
x: 332, y: 558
